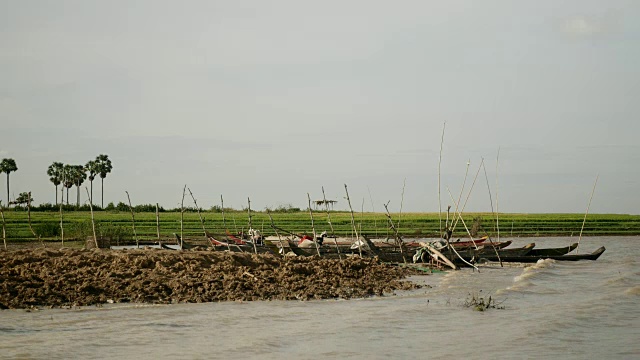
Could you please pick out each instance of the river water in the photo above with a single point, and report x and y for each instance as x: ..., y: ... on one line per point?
x: 568, y: 310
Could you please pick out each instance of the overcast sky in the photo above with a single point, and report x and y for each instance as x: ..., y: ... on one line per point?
x: 274, y: 99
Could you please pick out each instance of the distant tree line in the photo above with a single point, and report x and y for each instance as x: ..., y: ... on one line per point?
x: 67, y: 175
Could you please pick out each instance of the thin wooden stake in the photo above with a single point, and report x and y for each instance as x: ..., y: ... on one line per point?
x: 158, y: 221
x: 255, y: 249
x: 468, y: 195
x: 93, y: 222
x: 399, y: 240
x: 361, y: 217
x: 184, y: 190
x: 4, y: 231
x: 373, y: 209
x: 313, y: 228
x: 200, y: 216
x: 459, y: 215
x: 29, y: 217
x: 273, y: 226
x: 353, y: 222
x: 404, y: 183
x: 497, y: 209
x: 587, y: 212
x: 439, y: 164
x: 61, y: 227
x: 333, y: 234
x: 492, y: 211
x: 224, y: 223
x: 133, y: 221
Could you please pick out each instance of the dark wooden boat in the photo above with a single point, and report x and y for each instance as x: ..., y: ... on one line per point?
x: 459, y: 244
x: 486, y: 245
x: 486, y: 254
x: 534, y: 258
x: 553, y: 251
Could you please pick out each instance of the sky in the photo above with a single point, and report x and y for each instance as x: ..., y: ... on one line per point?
x: 271, y: 100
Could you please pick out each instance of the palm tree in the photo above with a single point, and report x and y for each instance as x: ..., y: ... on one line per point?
x: 104, y: 168
x: 79, y: 177
x: 68, y: 178
x: 56, y: 173
x: 93, y: 169
x: 8, y: 166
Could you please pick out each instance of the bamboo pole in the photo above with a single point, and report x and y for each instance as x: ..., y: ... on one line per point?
x: 459, y: 216
x: 587, y: 212
x: 313, y: 228
x: 93, y: 222
x: 184, y: 190
x: 469, y: 233
x: 158, y: 221
x: 439, y: 165
x: 492, y: 211
x: 497, y: 210
x: 457, y: 204
x: 29, y: 218
x: 224, y: 223
x: 433, y: 250
x: 333, y: 234
x: 361, y: 217
x: 404, y: 183
x: 253, y: 241
x: 468, y: 195
x: 61, y: 227
x: 4, y: 230
x: 373, y: 209
x: 353, y: 221
x: 200, y: 216
x: 273, y: 226
x: 399, y: 240
x: 133, y: 221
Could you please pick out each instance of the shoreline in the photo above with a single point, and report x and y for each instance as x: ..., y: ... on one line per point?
x: 60, y: 278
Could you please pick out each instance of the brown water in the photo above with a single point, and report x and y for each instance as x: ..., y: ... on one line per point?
x: 569, y: 310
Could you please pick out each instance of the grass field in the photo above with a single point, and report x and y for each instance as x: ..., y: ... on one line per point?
x: 77, y: 225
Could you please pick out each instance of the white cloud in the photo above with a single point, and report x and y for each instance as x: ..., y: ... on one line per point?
x: 582, y: 26
x: 586, y: 26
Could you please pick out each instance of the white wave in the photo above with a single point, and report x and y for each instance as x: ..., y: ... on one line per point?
x: 633, y: 291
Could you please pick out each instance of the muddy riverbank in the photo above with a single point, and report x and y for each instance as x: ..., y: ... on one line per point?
x: 78, y: 277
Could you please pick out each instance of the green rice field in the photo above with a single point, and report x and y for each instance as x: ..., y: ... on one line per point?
x: 118, y: 225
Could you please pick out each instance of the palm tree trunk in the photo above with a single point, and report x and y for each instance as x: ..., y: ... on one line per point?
x: 67, y: 196
x: 8, y: 201
x: 102, y: 190
x: 78, y: 194
x: 91, y: 195
x: 56, y: 195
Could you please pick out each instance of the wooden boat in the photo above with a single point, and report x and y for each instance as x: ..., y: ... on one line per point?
x: 459, y: 244
x: 487, y: 254
x: 486, y: 245
x: 553, y: 251
x: 534, y: 258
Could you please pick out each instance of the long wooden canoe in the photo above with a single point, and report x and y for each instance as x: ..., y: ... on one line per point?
x: 553, y: 251
x: 534, y: 258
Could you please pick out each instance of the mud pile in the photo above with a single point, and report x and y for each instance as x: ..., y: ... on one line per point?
x: 69, y: 277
